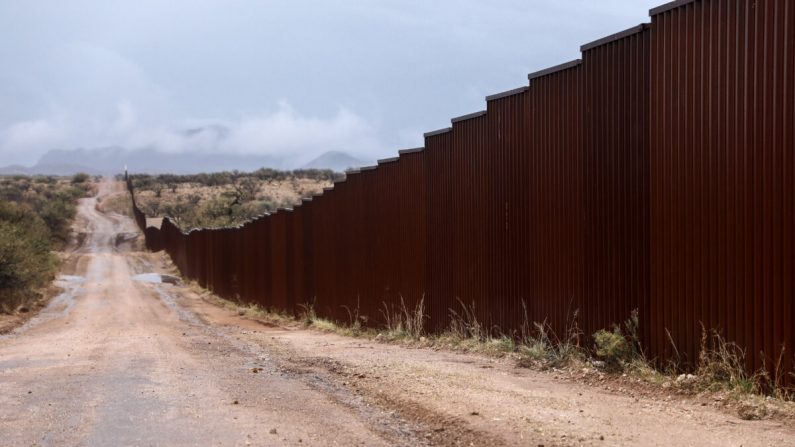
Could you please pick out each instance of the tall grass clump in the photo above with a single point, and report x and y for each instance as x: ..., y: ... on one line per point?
x: 464, y: 324
x: 721, y: 366
x: 404, y: 322
x: 541, y: 345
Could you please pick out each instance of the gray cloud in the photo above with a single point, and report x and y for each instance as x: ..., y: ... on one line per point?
x: 290, y: 78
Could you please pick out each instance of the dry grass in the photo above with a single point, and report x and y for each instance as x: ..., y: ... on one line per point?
x: 119, y: 204
x: 308, y: 317
x: 720, y: 368
x: 404, y: 323
x: 544, y: 349
x: 194, y: 205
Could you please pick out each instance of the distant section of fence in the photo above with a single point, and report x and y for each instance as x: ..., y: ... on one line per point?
x: 657, y: 173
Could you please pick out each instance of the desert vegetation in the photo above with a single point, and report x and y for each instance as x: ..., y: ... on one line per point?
x: 35, y: 219
x: 226, y: 198
x: 611, y: 356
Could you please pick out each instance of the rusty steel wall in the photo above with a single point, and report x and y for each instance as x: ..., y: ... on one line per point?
x: 410, y: 188
x: 439, y: 257
x: 342, y: 258
x: 615, y: 73
x: 385, y: 202
x: 295, y: 254
x: 365, y: 243
x: 507, y: 114
x: 654, y: 174
x: 278, y: 261
x: 471, y: 218
x: 555, y: 185
x: 722, y: 172
x: 325, y: 264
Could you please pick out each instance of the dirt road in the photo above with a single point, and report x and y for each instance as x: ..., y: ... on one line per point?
x: 121, y: 359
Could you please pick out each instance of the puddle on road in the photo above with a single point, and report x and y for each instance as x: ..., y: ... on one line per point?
x: 183, y: 314
x: 69, y: 279
x: 156, y: 278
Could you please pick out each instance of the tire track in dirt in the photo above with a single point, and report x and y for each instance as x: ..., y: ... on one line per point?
x: 124, y: 366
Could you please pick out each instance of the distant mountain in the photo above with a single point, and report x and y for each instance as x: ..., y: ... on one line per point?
x: 15, y: 170
x: 48, y: 169
x: 335, y: 160
x: 112, y: 160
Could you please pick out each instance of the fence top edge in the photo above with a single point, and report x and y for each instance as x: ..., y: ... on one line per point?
x: 669, y: 6
x: 555, y: 69
x: 506, y: 93
x: 410, y: 151
x: 614, y: 37
x: 368, y: 168
x: 468, y: 116
x: 388, y: 160
x: 437, y: 132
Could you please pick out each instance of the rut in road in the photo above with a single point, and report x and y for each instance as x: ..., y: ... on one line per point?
x: 113, y: 361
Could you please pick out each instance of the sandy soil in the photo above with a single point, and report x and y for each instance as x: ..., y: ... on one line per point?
x: 114, y: 361
x: 120, y: 360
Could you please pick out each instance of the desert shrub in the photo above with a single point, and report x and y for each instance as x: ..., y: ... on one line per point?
x: 224, y: 198
x: 619, y: 347
x: 80, y: 177
x: 57, y: 214
x: 147, y: 182
x: 25, y: 258
x: 613, y: 347
x: 35, y: 217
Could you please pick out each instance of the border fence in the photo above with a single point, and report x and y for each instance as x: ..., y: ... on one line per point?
x: 657, y: 174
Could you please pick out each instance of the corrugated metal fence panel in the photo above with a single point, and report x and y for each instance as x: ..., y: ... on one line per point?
x: 308, y: 254
x: 412, y: 245
x: 346, y: 293
x: 245, y: 238
x: 295, y: 255
x: 507, y: 116
x: 440, y: 258
x: 367, y: 229
x: 472, y: 222
x: 262, y: 256
x: 363, y: 229
x: 278, y: 260
x: 325, y: 263
x: 722, y: 175
x: 616, y: 176
x: 386, y: 205
x: 555, y: 170
x: 201, y: 258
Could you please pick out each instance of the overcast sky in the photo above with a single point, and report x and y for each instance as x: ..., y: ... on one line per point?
x: 292, y: 78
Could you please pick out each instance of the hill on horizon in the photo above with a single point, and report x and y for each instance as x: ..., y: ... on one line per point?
x: 112, y: 160
x: 336, y: 161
